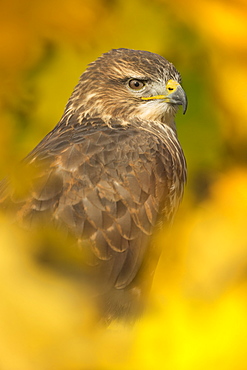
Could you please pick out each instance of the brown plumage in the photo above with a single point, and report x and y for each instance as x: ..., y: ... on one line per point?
x: 110, y: 172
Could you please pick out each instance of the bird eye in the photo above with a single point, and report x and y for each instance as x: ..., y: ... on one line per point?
x: 136, y: 84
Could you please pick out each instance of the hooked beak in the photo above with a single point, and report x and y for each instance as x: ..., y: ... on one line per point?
x: 175, y: 95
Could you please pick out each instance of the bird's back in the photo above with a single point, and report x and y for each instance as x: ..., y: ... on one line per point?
x: 108, y: 185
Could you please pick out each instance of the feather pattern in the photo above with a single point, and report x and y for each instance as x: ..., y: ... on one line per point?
x: 107, y: 178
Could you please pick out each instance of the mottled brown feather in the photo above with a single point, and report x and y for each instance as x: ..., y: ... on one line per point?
x: 106, y: 175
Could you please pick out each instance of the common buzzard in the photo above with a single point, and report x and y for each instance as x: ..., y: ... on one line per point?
x: 110, y: 173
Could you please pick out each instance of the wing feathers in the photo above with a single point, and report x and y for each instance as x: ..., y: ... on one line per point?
x: 106, y: 187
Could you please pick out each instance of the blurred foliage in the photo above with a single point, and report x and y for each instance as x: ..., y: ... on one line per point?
x: 197, y: 315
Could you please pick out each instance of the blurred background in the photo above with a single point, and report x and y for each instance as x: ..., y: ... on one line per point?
x: 197, y: 316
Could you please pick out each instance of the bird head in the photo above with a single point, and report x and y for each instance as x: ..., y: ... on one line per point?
x: 125, y: 83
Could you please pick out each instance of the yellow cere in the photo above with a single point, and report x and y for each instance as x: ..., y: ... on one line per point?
x: 171, y: 86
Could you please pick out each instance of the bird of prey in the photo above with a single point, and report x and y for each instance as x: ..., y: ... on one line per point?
x: 111, y: 172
